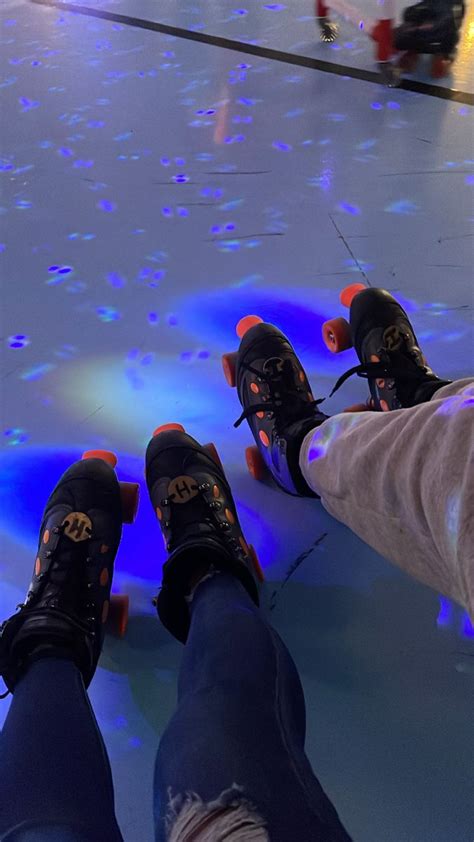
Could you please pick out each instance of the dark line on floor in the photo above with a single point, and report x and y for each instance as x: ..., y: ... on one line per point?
x: 242, y: 172
x: 261, y: 52
x: 328, y: 274
x: 12, y: 371
x: 294, y: 566
x: 245, y: 237
x: 91, y: 414
x: 456, y: 237
x: 447, y: 309
x: 426, y: 172
x: 341, y: 236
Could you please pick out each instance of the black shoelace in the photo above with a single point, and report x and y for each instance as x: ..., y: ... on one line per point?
x: 389, y: 370
x: 280, y: 383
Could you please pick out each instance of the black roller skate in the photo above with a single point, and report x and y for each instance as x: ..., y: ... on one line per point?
x: 387, y: 347
x: 67, y: 604
x: 196, y: 512
x: 426, y: 10
x: 431, y: 27
x: 277, y: 402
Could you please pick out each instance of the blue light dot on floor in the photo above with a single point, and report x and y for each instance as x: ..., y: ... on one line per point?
x: 19, y: 340
x: 106, y: 206
x: 351, y: 209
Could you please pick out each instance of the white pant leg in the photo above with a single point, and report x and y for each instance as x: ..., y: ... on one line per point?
x: 403, y: 481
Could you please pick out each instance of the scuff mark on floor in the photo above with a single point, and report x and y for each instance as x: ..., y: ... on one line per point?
x: 293, y: 567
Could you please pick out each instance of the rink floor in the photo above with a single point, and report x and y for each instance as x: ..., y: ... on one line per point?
x: 155, y: 189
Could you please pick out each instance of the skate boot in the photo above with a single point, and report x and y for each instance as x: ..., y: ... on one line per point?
x: 193, y: 502
x: 419, y: 12
x: 67, y: 603
x: 277, y: 402
x: 389, y: 353
x: 427, y: 10
x: 432, y: 28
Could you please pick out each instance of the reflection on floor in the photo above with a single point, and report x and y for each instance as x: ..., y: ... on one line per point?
x: 154, y: 190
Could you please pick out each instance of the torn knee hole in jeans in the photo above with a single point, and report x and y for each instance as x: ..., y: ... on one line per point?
x: 230, y: 817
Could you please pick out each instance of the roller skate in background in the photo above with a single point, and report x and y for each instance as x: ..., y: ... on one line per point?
x: 389, y: 353
x: 430, y: 27
x: 69, y: 605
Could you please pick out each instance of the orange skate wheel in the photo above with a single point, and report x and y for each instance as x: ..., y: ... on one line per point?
x: 129, y: 495
x: 228, y: 365
x: 440, y: 66
x: 211, y: 451
x: 255, y: 462
x: 105, y: 455
x: 349, y: 292
x: 256, y: 564
x: 245, y: 324
x: 117, y: 618
x: 165, y: 427
x: 408, y: 62
x: 357, y: 407
x: 337, y: 335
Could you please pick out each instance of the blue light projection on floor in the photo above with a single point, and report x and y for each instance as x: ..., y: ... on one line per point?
x: 141, y: 553
x: 33, y: 473
x: 214, y: 314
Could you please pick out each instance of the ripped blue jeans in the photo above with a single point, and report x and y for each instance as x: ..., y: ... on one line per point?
x: 231, y: 764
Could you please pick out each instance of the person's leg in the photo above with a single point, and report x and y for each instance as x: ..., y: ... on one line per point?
x: 231, y: 763
x: 55, y: 780
x: 54, y: 772
x: 400, y: 477
x: 404, y: 482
